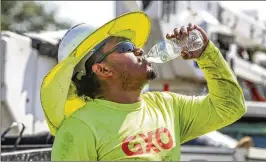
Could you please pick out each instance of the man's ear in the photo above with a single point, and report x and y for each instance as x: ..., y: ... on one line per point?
x: 102, y: 70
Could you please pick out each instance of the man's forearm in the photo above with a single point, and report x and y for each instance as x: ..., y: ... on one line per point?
x: 224, y: 91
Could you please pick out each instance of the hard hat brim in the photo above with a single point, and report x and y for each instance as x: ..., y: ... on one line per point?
x: 57, y: 92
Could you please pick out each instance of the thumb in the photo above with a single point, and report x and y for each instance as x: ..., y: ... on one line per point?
x: 202, y: 32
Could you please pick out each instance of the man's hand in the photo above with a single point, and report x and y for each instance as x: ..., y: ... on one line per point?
x: 183, y: 33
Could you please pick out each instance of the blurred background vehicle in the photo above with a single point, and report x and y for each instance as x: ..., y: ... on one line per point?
x: 29, y: 41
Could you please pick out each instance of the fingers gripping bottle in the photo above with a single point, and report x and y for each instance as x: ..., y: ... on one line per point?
x: 168, y: 50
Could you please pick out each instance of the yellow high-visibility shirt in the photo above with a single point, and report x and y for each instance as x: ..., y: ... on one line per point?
x: 155, y: 127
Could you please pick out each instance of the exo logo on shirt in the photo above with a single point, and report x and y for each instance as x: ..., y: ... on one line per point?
x: 137, y: 148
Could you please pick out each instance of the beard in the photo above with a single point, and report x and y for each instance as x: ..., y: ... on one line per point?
x: 131, y: 82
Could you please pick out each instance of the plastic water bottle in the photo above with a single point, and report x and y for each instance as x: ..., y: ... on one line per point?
x: 168, y: 50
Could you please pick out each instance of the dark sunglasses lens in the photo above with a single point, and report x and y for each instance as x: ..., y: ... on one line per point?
x: 125, y: 47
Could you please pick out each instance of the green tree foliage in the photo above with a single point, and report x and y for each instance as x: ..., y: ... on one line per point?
x: 25, y: 16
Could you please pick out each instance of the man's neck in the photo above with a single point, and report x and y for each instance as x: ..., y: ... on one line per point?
x: 116, y: 94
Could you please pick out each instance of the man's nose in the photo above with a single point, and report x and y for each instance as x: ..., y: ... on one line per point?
x: 138, y: 51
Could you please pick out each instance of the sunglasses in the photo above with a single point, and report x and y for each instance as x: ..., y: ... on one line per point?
x: 122, y: 47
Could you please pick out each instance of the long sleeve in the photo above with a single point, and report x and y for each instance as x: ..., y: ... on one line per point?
x: 225, y: 103
x: 74, y: 142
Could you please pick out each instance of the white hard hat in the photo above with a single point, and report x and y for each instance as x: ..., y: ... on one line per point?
x: 72, y: 39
